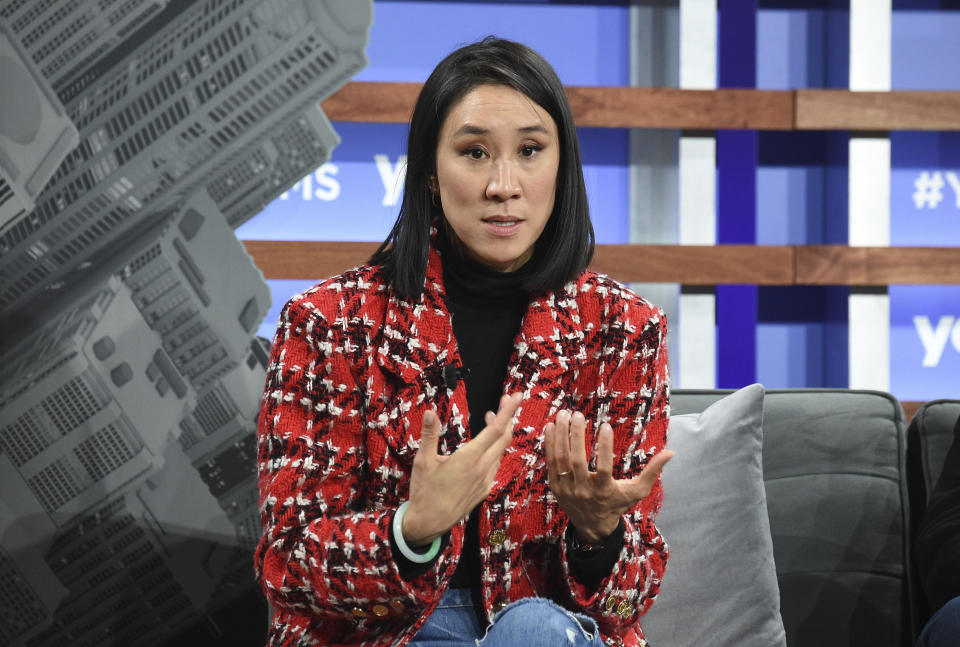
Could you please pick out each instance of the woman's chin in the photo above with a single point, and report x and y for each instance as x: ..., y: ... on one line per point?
x: 504, y: 263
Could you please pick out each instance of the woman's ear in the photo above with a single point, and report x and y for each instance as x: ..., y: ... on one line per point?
x: 432, y: 184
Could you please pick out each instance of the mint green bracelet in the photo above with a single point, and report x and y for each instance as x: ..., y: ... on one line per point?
x: 409, y: 553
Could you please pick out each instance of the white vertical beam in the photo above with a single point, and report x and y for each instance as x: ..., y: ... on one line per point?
x: 698, y: 44
x: 698, y: 189
x: 869, y: 191
x: 697, y: 322
x: 869, y: 196
x: 870, y: 30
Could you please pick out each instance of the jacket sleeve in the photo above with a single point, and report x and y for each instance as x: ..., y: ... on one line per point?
x: 631, y: 393
x: 322, y: 553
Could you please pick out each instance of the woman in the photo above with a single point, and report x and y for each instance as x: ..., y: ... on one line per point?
x: 397, y: 507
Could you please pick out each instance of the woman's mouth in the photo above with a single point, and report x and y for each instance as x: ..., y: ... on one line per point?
x: 502, y: 225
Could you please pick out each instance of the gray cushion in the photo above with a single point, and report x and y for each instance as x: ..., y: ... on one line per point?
x: 720, y: 587
x: 834, y: 467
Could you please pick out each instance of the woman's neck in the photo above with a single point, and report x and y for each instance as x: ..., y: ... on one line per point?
x: 469, y: 282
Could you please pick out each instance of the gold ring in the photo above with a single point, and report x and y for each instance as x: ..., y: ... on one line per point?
x: 564, y: 473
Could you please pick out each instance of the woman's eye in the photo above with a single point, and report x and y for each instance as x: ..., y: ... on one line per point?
x: 474, y: 153
x: 528, y: 151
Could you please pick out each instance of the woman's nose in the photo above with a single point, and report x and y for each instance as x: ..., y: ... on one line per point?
x: 503, y: 184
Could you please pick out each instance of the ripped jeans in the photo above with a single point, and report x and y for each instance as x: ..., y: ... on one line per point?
x: 530, y: 622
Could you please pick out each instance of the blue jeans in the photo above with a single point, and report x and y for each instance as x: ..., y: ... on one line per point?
x: 530, y: 622
x: 943, y: 628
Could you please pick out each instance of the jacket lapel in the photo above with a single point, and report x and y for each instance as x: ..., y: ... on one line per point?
x: 417, y: 338
x: 550, y: 345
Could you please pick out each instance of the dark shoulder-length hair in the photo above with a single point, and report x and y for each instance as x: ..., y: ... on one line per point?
x: 566, y: 245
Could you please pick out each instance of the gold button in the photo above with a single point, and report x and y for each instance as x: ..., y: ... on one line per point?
x: 497, y: 537
x: 397, y: 606
x: 360, y: 613
x: 500, y: 606
x: 624, y: 609
x: 611, y: 602
x: 380, y: 610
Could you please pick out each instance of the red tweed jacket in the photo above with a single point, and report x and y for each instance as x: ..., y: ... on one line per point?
x: 353, y: 369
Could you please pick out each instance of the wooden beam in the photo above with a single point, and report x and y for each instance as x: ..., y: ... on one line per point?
x: 866, y: 111
x: 866, y: 266
x: 608, y: 107
x: 619, y: 107
x: 684, y: 264
x: 371, y: 101
x: 696, y: 264
x: 689, y: 265
x: 303, y: 259
x: 725, y: 108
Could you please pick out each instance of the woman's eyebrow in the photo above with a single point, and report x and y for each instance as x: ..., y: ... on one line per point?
x: 470, y: 129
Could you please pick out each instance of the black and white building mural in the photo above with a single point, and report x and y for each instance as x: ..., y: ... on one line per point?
x: 135, y: 136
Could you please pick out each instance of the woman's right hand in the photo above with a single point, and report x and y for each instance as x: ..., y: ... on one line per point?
x: 444, y: 489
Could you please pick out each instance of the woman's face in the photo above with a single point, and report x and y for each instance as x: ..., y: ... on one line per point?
x: 497, y: 160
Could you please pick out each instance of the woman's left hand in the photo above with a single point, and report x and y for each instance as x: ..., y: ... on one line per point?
x: 593, y: 501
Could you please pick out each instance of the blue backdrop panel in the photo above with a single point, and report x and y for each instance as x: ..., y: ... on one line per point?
x: 926, y: 47
x: 925, y: 342
x: 587, y: 44
x: 925, y: 188
x: 925, y: 208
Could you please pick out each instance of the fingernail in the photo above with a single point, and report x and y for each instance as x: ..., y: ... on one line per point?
x: 578, y: 417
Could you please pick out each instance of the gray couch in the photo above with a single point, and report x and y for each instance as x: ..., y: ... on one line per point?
x: 834, y: 470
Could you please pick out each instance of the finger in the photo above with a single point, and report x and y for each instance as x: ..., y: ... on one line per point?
x: 642, y: 484
x: 578, y: 453
x: 561, y: 443
x: 550, y: 453
x: 509, y: 404
x: 505, y: 419
x: 605, y: 453
x: 500, y: 426
x: 429, y: 433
